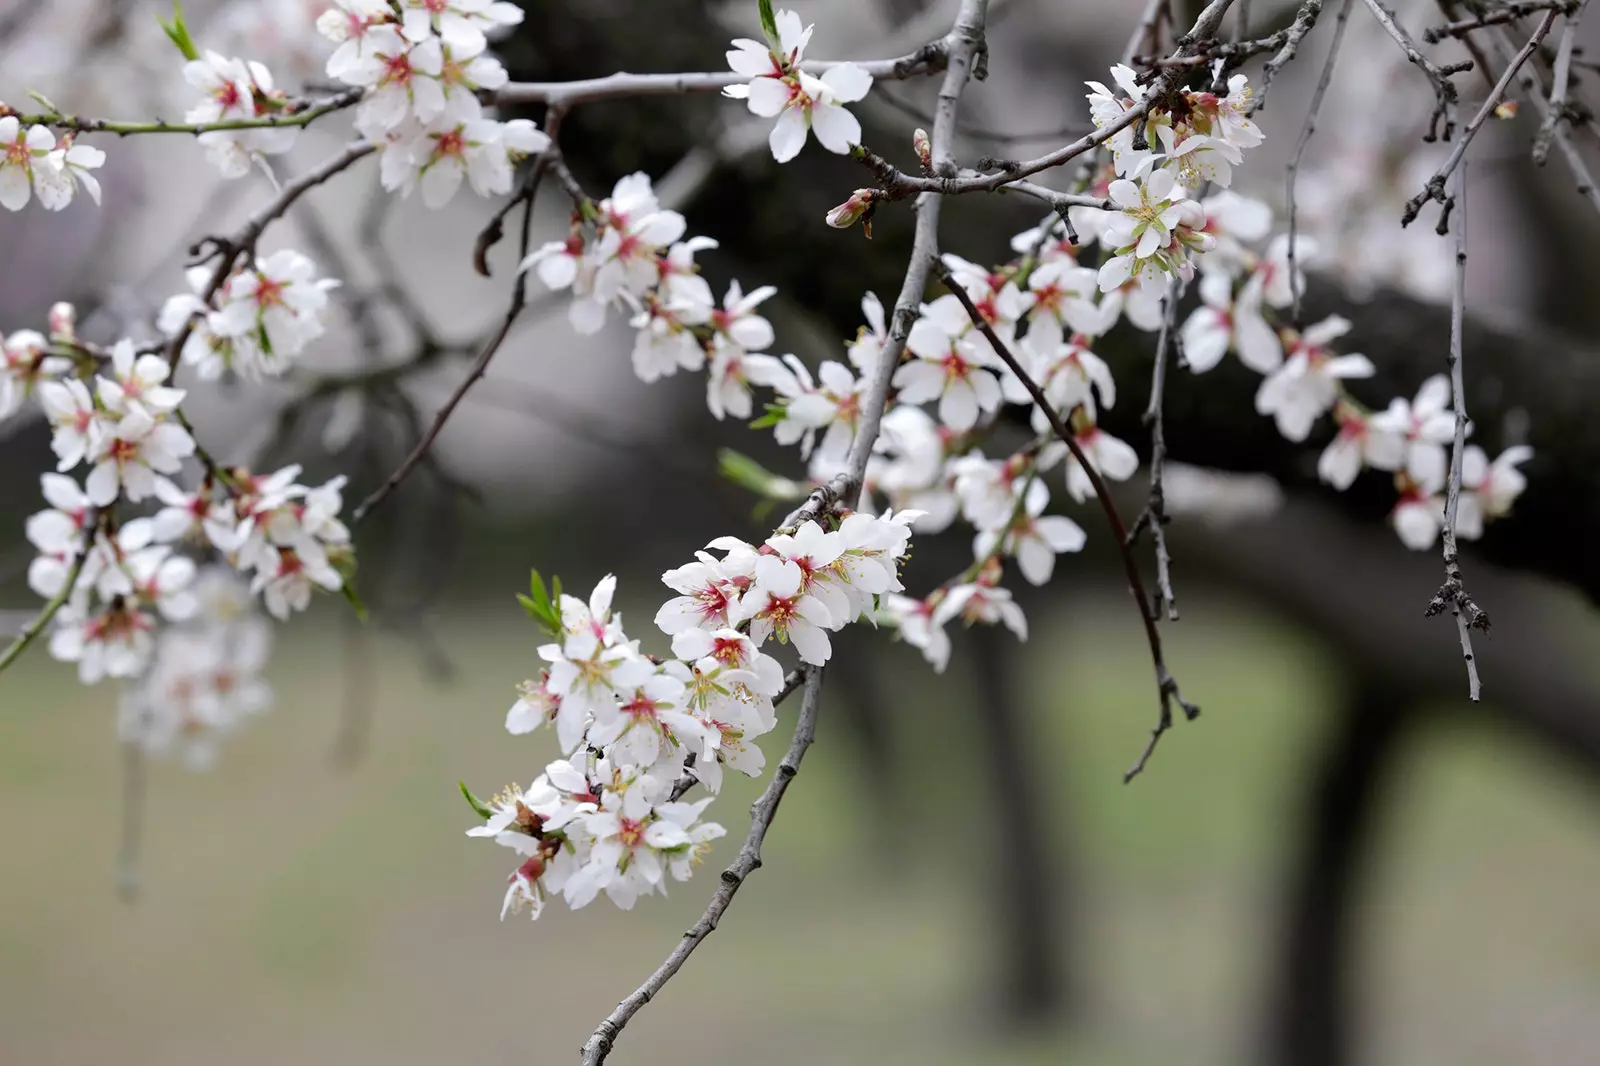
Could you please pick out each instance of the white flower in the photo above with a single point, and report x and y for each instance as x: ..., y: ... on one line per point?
x: 915, y: 620
x: 57, y: 533
x: 116, y: 642
x: 460, y: 24
x: 1155, y: 224
x: 776, y: 605
x: 128, y: 455
x: 778, y: 87
x: 1307, y: 384
x: 70, y: 164
x: 285, y: 576
x: 1418, y: 517
x: 137, y: 379
x: 982, y: 603
x: 646, y: 723
x: 1220, y: 323
x: 535, y: 705
x: 1359, y: 442
x: 1426, y: 426
x: 1498, y: 484
x: 948, y: 367
x: 834, y: 407
x: 1113, y: 458
x: 25, y: 362
x: 271, y: 310
x: 73, y: 417
x: 24, y: 158
x: 1107, y: 107
x: 401, y: 78
x: 233, y: 91
x: 1032, y: 537
x: 439, y: 156
x: 870, y: 339
x: 730, y: 375
x: 348, y: 23
x: 985, y: 488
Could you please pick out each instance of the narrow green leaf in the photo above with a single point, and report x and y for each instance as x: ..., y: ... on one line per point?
x: 476, y: 804
x: 747, y: 473
x: 769, y: 26
x: 178, y: 32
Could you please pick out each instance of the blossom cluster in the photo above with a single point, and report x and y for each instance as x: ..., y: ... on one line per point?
x: 117, y: 576
x: 420, y: 66
x: 256, y: 323
x: 636, y: 732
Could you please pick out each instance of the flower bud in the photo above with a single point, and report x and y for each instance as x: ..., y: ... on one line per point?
x: 924, y: 149
x: 858, y: 208
x: 64, y: 322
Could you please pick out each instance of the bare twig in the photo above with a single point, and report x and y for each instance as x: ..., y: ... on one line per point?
x: 1507, y: 13
x: 1304, y: 20
x: 1155, y: 512
x: 1166, y: 685
x: 293, y: 116
x: 1587, y: 188
x: 1293, y: 171
x: 1453, y: 594
x: 486, y: 354
x: 599, y: 1045
x: 1560, y: 80
x: 1435, y: 187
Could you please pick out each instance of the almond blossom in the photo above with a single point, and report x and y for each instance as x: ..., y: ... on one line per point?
x: 1306, y: 386
x: 800, y: 101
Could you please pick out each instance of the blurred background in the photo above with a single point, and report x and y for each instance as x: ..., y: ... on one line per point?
x: 1341, y: 861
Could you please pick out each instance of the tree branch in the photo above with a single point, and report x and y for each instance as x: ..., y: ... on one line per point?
x: 1166, y: 684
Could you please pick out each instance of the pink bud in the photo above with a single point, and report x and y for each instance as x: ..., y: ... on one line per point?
x: 924, y: 149
x: 858, y: 208
x: 64, y: 322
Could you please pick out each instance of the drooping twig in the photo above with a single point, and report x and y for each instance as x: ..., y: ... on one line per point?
x: 1560, y: 79
x: 1453, y: 594
x: 963, y: 43
x: 1444, y: 90
x: 486, y: 354
x: 599, y: 1045
x: 1434, y: 189
x: 1166, y: 684
x: 1293, y: 171
x: 293, y: 116
x: 1154, y: 514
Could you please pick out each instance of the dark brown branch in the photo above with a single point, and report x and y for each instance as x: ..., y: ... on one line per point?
x: 1166, y: 684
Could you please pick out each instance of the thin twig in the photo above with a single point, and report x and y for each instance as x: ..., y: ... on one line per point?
x: 1304, y: 20
x: 599, y: 1045
x: 1587, y: 187
x: 1560, y: 79
x: 30, y: 631
x: 1166, y: 685
x: 486, y: 354
x: 1293, y: 171
x: 1435, y: 186
x: 1155, y: 512
x: 1453, y: 593
x: 1509, y: 13
x: 298, y: 116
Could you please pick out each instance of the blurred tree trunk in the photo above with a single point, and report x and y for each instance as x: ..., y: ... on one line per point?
x: 1311, y: 1014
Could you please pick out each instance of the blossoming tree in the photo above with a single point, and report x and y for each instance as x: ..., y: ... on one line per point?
x: 974, y: 400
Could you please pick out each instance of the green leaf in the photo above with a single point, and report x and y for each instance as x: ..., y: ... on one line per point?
x: 345, y: 564
x: 541, y: 605
x: 769, y: 26
x: 747, y: 473
x: 179, y: 33
x: 476, y: 804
